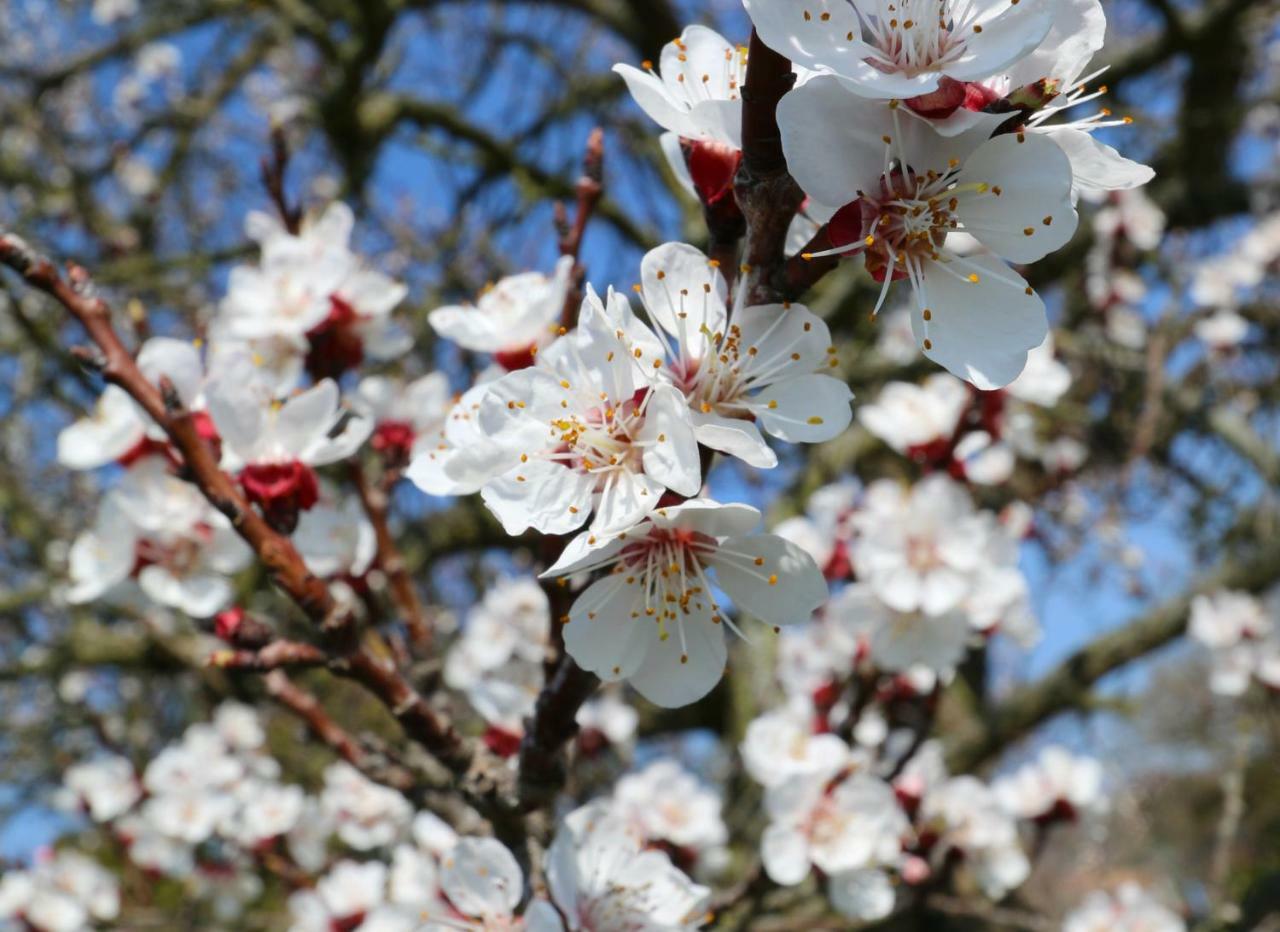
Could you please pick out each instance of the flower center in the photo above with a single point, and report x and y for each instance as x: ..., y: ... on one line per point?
x: 603, y: 438
x: 669, y: 565
x: 911, y: 37
x: 907, y: 224
x: 922, y: 553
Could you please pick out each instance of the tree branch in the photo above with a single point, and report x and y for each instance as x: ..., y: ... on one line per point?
x: 334, y: 620
x: 554, y: 723
x: 1068, y: 685
x: 391, y: 562
x: 767, y: 194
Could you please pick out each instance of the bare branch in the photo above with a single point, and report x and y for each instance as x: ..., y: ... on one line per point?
x: 1070, y: 683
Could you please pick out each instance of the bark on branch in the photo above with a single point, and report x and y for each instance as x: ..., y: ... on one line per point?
x: 1068, y: 686
x: 767, y: 194
x: 77, y: 294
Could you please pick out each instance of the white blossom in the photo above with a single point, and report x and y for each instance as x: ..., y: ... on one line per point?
x: 365, y: 815
x: 901, y: 48
x: 665, y: 802
x: 1129, y: 909
x: 1056, y: 784
x: 849, y: 831
x: 313, y: 292
x: 582, y: 431
x: 967, y: 817
x: 519, y: 313
x: 106, y: 786
x: 742, y: 369
x: 63, y: 892
x: 654, y: 620
x: 601, y: 878
x: 904, y: 188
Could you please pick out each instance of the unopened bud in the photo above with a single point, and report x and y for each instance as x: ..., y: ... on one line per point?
x: 1035, y: 96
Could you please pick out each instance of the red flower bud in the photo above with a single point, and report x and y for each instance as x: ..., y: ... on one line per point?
x: 281, y: 490
x: 394, y: 441
x: 515, y: 359
x: 226, y: 623
x: 335, y: 344
x: 502, y: 741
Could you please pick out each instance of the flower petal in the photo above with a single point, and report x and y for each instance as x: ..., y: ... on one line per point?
x: 784, y: 851
x: 1095, y: 166
x: 769, y: 577
x: 688, y: 664
x: 1031, y: 216
x: 981, y: 331
x: 1004, y: 39
x: 649, y: 91
x: 548, y: 497
x: 822, y: 117
x: 608, y: 632
x: 735, y: 436
x: 805, y: 409
x: 625, y: 499
x: 683, y: 293
x: 865, y: 895
x: 115, y: 427
x: 671, y: 456
x: 481, y: 878
x: 177, y: 360
x: 709, y: 517
x: 819, y: 34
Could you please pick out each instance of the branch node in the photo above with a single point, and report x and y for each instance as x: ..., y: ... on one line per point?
x: 17, y: 253
x: 90, y: 357
x: 169, y: 395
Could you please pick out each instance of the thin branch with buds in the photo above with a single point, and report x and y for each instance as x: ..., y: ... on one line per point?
x: 374, y: 499
x: 588, y: 190
x: 318, y: 721
x: 333, y: 619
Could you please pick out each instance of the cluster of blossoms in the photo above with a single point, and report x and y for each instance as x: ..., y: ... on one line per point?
x: 1225, y: 281
x: 929, y: 140
x: 608, y: 868
x: 497, y: 660
x: 924, y: 574
x: 497, y: 663
x: 309, y: 310
x: 205, y: 811
x: 603, y: 429
x: 926, y: 143
x: 1129, y: 908
x: 1242, y: 633
x: 944, y: 424
x: 871, y: 821
x: 63, y: 892
x: 211, y: 811
x: 1238, y: 274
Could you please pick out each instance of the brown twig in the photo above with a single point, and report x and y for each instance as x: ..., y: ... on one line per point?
x: 390, y: 560
x: 588, y: 190
x: 553, y: 724
x: 277, y: 553
x: 273, y: 173
x: 308, y: 708
x: 275, y: 656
